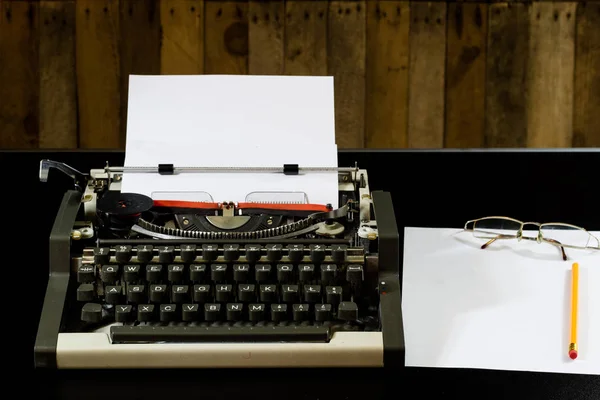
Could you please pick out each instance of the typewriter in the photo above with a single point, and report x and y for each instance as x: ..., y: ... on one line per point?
x: 137, y: 282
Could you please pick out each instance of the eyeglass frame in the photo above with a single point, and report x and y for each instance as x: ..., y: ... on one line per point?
x: 539, y: 238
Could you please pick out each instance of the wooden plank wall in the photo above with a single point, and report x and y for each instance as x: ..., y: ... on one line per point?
x: 412, y: 74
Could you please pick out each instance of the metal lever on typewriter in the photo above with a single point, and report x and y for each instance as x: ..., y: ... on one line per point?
x: 79, y: 178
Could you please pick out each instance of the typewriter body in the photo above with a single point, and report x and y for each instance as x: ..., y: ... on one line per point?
x: 137, y: 282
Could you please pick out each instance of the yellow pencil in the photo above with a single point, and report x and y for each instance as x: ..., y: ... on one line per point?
x: 574, y: 299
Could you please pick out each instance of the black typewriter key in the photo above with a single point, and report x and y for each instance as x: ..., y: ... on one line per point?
x: 347, y: 311
x: 197, y: 272
x: 210, y: 252
x: 289, y: 293
x: 338, y: 253
x: 201, y: 293
x: 123, y: 254
x: 113, y: 294
x: 131, y: 273
x: 85, y: 274
x: 295, y: 252
x: 274, y: 252
x: 145, y: 312
x: 179, y: 293
x: 234, y: 311
x: 252, y: 253
x: 101, y: 255
x: 354, y: 273
x: 136, y: 294
x: 268, y: 293
x: 145, y: 253
x: 322, y: 312
x: 306, y: 272
x: 166, y: 254
x: 212, y: 312
x: 158, y: 293
x: 256, y: 312
x: 278, y: 312
x: 85, y: 292
x: 154, y: 273
x: 109, y: 273
x: 231, y: 252
x: 91, y: 312
x: 175, y: 273
x: 168, y: 312
x: 246, y: 293
x: 189, y: 312
x: 218, y: 272
x: 223, y: 293
x: 188, y: 253
x: 328, y: 273
x: 317, y: 253
x: 285, y: 272
x: 312, y: 293
x: 123, y: 313
x: 241, y: 272
x: 262, y: 273
x: 300, y: 312
x: 333, y: 294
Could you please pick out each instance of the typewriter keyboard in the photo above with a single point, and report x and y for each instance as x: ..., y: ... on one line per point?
x: 222, y: 284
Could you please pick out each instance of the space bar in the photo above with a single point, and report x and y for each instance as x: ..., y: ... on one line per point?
x: 221, y: 334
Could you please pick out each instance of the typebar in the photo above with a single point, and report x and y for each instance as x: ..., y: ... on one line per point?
x: 198, y: 334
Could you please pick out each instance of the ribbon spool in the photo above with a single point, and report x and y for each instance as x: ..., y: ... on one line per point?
x: 118, y: 212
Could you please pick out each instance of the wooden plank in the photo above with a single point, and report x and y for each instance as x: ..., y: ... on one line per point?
x: 266, y: 28
x: 465, y: 75
x: 226, y: 37
x: 182, y: 40
x: 306, y: 37
x: 507, y: 53
x: 386, y: 113
x: 97, y: 66
x: 139, y: 47
x: 587, y: 77
x: 550, y: 75
x: 346, y: 62
x: 19, y: 75
x: 427, y: 75
x: 58, y: 91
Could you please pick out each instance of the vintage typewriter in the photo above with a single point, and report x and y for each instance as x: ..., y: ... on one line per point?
x: 137, y: 282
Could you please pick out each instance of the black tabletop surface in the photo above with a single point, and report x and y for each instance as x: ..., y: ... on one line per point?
x: 429, y: 188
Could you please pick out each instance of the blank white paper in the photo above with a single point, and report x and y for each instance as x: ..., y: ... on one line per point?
x: 231, y: 121
x: 506, y: 307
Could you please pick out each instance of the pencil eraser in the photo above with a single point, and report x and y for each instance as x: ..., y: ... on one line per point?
x: 573, y: 354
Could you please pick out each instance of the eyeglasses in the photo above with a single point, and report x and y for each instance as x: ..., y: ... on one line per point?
x: 557, y: 234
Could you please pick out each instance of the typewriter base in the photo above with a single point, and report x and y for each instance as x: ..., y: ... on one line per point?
x: 94, y: 350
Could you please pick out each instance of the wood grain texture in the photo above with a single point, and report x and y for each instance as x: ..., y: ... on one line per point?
x: 58, y: 91
x: 506, y: 66
x: 182, y: 37
x: 226, y: 37
x: 265, y: 36
x: 98, y: 76
x: 19, y: 75
x: 306, y: 37
x: 139, y: 47
x: 427, y: 75
x: 465, y: 75
x: 550, y: 75
x: 346, y: 62
x: 386, y: 117
x: 586, y: 131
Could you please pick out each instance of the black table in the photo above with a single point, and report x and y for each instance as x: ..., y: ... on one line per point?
x: 438, y: 188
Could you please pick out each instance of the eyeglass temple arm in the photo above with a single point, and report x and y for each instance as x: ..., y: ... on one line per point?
x: 559, y: 244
